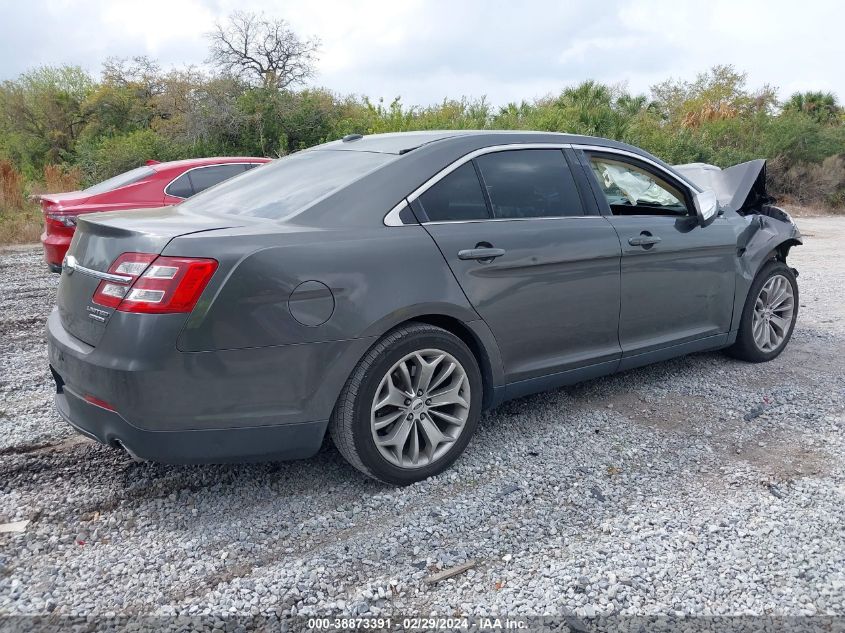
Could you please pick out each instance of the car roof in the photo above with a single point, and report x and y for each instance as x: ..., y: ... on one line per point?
x: 404, y: 142
x: 201, y: 162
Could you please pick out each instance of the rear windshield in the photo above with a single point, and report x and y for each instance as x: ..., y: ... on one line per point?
x: 121, y: 180
x: 287, y: 185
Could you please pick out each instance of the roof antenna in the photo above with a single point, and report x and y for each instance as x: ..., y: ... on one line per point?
x: 352, y: 137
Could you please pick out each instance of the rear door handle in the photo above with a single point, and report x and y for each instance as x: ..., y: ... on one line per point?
x: 481, y: 254
x: 643, y: 240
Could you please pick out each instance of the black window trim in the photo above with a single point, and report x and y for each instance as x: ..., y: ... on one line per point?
x: 188, y: 171
x: 640, y: 162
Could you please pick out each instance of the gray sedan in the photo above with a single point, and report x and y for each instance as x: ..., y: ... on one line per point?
x: 387, y: 289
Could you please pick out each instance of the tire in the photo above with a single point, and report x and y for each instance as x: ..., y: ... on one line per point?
x: 748, y: 348
x: 356, y: 418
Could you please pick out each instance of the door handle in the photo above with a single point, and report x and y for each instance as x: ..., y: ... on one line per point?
x: 644, y: 239
x: 481, y: 254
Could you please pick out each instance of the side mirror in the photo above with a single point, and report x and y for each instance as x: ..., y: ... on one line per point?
x: 706, y: 207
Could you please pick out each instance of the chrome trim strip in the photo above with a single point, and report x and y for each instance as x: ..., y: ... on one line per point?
x: 543, y: 217
x: 245, y: 162
x: 393, y: 219
x: 72, y: 266
x: 479, y: 152
x: 634, y: 155
x: 416, y: 193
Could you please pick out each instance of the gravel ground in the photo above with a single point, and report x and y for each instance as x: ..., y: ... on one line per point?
x: 698, y: 486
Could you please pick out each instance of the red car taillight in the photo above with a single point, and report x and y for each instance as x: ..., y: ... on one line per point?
x: 156, y: 284
x: 60, y: 220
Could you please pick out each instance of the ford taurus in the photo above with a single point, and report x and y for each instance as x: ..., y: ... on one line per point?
x: 387, y: 289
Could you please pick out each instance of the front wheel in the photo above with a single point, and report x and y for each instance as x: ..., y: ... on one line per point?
x: 411, y: 405
x: 769, y: 315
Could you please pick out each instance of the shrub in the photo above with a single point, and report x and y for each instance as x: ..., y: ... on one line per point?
x: 58, y: 178
x: 808, y: 183
x: 101, y: 159
x: 11, y: 187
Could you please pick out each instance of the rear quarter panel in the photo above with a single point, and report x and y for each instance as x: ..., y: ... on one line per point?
x: 378, y: 277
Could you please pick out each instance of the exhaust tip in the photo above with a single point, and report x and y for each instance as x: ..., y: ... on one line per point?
x: 116, y: 443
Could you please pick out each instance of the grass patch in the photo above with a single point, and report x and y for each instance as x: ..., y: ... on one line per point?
x: 21, y: 226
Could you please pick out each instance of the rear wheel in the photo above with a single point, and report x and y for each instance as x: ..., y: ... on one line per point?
x: 769, y: 314
x: 411, y: 405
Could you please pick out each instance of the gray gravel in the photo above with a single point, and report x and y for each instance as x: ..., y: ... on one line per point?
x: 698, y: 486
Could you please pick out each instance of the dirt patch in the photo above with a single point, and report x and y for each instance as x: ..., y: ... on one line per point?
x: 784, y: 456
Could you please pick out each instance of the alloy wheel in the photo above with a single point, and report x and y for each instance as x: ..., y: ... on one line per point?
x: 773, y: 312
x: 420, y: 408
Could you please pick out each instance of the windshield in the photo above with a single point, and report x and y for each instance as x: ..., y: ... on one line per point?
x: 287, y: 185
x: 121, y: 180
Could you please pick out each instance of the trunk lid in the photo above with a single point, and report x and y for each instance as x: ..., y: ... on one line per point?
x: 99, y: 239
x: 57, y: 200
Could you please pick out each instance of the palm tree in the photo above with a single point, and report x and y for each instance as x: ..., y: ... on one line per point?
x: 822, y: 106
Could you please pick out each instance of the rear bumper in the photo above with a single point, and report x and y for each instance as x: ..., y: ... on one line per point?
x: 285, y: 441
x: 55, y: 249
x: 191, y: 407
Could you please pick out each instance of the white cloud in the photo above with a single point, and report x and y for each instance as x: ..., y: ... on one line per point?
x: 425, y: 50
x: 157, y: 23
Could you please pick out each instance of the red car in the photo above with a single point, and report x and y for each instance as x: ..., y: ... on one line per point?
x: 153, y: 185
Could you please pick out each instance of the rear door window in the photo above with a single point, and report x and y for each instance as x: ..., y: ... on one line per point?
x: 181, y: 187
x: 206, y: 177
x: 457, y: 196
x: 530, y: 183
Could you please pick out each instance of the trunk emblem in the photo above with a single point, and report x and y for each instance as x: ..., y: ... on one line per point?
x: 101, y: 316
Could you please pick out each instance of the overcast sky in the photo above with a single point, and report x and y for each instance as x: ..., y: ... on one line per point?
x: 425, y: 50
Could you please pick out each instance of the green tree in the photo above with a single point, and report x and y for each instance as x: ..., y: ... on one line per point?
x: 41, y: 114
x: 821, y: 106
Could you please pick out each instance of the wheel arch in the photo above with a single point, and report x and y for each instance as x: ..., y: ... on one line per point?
x: 781, y: 251
x: 468, y: 327
x: 750, y: 263
x: 473, y: 341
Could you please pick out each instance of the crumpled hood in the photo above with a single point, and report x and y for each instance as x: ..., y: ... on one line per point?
x: 741, y: 188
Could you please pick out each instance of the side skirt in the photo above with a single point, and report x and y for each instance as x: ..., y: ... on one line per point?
x: 572, y: 376
x: 665, y: 353
x: 560, y: 379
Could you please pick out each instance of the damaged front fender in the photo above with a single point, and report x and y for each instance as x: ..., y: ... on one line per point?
x: 769, y: 235
x: 769, y: 231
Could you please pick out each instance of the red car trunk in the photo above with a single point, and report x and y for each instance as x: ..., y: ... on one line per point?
x: 150, y: 186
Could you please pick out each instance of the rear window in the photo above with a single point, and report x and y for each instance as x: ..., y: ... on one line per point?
x: 206, y: 177
x: 531, y: 183
x: 457, y: 197
x: 289, y: 184
x: 121, y: 180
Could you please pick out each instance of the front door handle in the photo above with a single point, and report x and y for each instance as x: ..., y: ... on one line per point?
x: 481, y: 254
x: 644, y: 239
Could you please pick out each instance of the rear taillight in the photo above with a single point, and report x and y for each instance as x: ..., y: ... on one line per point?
x: 61, y: 219
x: 155, y: 284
